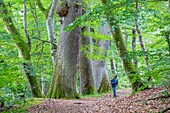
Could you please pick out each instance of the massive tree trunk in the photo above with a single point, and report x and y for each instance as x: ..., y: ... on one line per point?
x: 85, y: 66
x: 63, y: 83
x: 49, y: 14
x: 122, y: 50
x: 23, y: 49
x: 100, y: 73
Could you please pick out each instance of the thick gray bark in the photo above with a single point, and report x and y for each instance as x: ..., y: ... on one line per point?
x: 100, y: 73
x: 85, y: 66
x: 63, y: 84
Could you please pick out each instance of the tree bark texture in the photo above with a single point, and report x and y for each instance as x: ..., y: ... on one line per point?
x: 23, y: 48
x: 63, y: 83
x: 122, y: 50
x: 100, y: 73
x: 85, y: 67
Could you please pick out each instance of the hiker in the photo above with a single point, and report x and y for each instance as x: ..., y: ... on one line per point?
x: 114, y: 83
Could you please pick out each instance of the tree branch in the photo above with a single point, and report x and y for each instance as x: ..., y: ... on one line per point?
x: 13, y: 32
x: 34, y: 14
x: 45, y: 11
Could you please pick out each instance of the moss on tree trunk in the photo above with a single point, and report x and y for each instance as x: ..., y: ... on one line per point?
x: 104, y: 85
x: 23, y: 48
x: 63, y: 84
x: 122, y: 50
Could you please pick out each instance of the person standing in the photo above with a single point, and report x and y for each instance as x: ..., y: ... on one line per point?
x: 114, y: 83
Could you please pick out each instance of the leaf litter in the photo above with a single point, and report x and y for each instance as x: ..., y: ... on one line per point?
x: 149, y: 100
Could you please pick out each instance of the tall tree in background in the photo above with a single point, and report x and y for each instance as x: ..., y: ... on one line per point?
x: 23, y: 49
x: 121, y: 47
x: 85, y: 66
x: 63, y: 83
x: 100, y: 73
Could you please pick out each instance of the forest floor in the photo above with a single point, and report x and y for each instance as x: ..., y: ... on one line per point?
x: 150, y: 100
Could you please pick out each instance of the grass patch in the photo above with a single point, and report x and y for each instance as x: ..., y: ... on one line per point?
x: 21, y: 108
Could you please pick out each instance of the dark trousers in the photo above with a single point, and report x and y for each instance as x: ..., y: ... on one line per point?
x: 114, y: 91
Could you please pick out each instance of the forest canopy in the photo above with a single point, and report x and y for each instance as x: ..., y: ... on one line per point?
x: 68, y: 48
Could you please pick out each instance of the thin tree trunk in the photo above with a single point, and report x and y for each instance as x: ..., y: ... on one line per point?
x: 51, y: 30
x: 34, y: 14
x: 23, y: 48
x: 122, y: 50
x: 25, y: 24
x: 43, y: 84
x: 134, y: 47
x: 49, y: 14
x: 168, y: 40
x: 63, y: 84
x: 113, y: 67
x: 85, y: 66
x: 140, y: 36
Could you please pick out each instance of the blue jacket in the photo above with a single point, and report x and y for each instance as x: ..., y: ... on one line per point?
x: 114, y: 82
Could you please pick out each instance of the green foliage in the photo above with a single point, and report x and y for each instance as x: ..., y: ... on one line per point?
x: 97, y: 53
x: 123, y: 82
x: 154, y: 22
x: 22, y: 108
x: 14, y: 88
x: 96, y: 36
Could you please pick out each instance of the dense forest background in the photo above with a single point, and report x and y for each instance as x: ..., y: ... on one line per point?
x: 69, y: 48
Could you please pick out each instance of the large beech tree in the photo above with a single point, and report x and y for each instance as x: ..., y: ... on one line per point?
x: 85, y: 64
x: 85, y: 67
x: 100, y: 72
x: 63, y: 83
x: 23, y: 49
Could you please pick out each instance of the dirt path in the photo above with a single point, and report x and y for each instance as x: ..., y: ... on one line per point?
x: 139, y: 103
